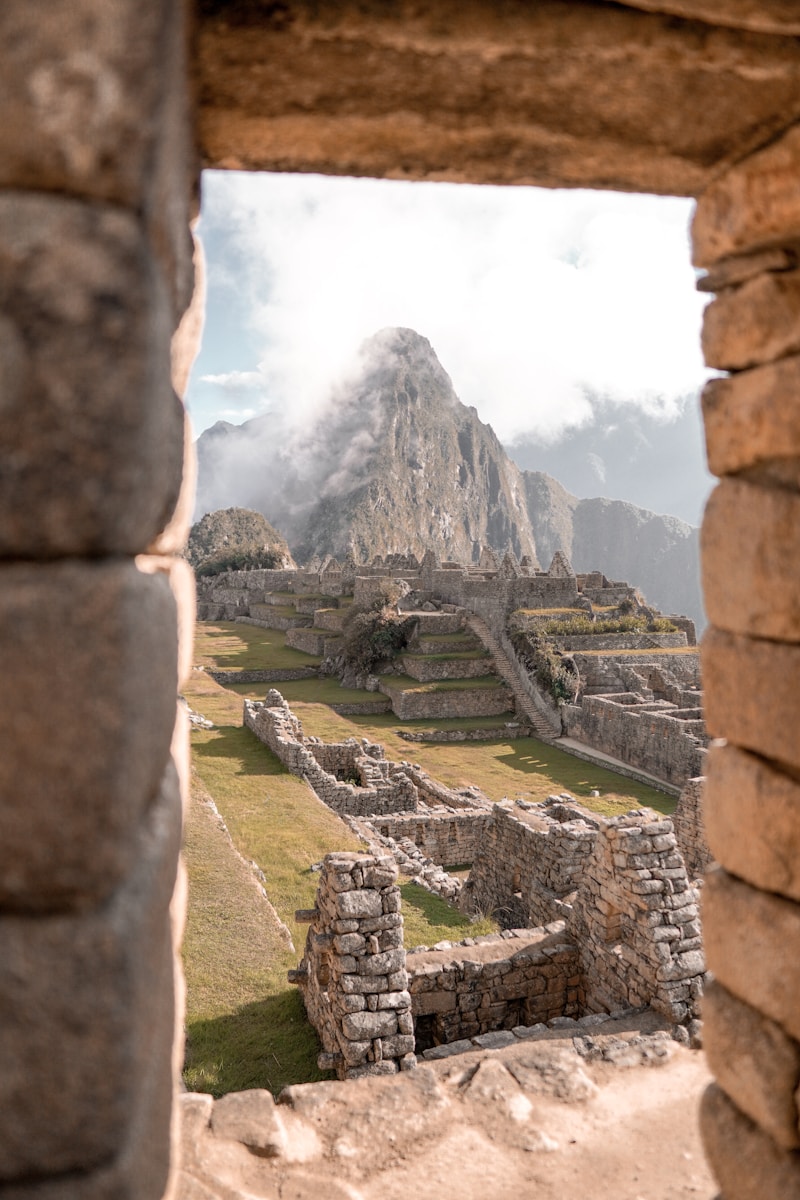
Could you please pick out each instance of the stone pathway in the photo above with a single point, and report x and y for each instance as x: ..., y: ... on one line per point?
x: 510, y: 676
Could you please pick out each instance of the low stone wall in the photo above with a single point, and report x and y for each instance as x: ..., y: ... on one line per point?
x: 617, y: 642
x: 636, y: 920
x: 491, y: 733
x: 275, y: 675
x: 690, y: 828
x: 447, y: 838
x: 646, y: 735
x: 428, y: 669
x: 384, y: 786
x: 448, y: 704
x: 465, y: 991
x: 352, y: 976
x: 528, y: 862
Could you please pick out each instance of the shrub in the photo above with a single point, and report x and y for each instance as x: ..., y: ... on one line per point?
x: 551, y: 670
x: 242, y: 560
x: 375, y: 635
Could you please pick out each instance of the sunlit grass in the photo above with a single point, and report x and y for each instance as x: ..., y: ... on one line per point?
x: 231, y: 646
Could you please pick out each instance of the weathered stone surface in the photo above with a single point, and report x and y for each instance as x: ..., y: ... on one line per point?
x: 763, y: 715
x: 754, y: 1062
x: 250, y: 1118
x: 92, y: 650
x: 750, y: 544
x: 752, y: 324
x: 85, y: 329
x: 751, y: 419
x: 752, y: 206
x: 765, y: 16
x: 731, y: 272
x: 359, y: 903
x: 748, y: 1164
x: 484, y: 93
x: 86, y: 1022
x: 743, y: 793
x: 746, y: 933
x: 369, y: 1024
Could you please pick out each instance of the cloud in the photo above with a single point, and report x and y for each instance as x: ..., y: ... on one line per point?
x: 529, y: 297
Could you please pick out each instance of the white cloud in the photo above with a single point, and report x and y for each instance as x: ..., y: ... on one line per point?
x: 527, y: 296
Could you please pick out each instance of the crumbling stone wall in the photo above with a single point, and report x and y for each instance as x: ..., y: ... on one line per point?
x: 528, y: 864
x: 353, y: 974
x: 383, y: 786
x: 636, y: 920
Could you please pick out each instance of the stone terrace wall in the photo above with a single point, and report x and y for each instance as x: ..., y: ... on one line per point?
x: 447, y: 838
x: 385, y: 786
x: 690, y: 828
x: 528, y: 862
x: 650, y: 735
x: 352, y: 975
x: 636, y: 921
x: 229, y: 595
x: 602, y: 673
x: 464, y: 992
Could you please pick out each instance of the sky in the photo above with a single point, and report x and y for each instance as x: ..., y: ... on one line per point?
x: 534, y: 300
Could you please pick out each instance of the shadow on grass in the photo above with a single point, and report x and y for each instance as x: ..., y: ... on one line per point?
x: 268, y: 1044
x: 241, y: 747
x: 532, y: 757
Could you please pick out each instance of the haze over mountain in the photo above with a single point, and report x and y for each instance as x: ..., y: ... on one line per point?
x: 396, y: 461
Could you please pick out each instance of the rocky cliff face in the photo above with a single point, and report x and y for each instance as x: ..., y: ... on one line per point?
x: 398, y: 462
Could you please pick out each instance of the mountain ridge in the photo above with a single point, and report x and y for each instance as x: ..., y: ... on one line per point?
x: 398, y: 463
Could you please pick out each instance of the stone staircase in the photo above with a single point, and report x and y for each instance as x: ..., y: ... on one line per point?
x: 510, y: 674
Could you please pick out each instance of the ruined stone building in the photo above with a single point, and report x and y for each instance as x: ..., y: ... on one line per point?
x: 109, y: 111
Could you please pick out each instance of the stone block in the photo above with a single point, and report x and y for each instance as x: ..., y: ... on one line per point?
x: 750, y: 942
x: 751, y: 419
x: 754, y: 205
x: 92, y: 650
x: 747, y: 1163
x: 88, y: 409
x: 750, y: 544
x: 359, y: 903
x: 744, y: 792
x: 369, y: 1025
x: 87, y: 1022
x: 753, y: 324
x: 762, y: 716
x: 754, y: 1062
x: 425, y: 1003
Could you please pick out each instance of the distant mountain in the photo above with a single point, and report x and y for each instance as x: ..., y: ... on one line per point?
x: 398, y: 462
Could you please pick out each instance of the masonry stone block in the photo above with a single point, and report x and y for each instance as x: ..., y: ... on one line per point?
x: 92, y: 433
x: 748, y: 935
x: 754, y: 1062
x: 747, y: 1163
x: 750, y: 544
x: 751, y: 695
x: 751, y: 420
x: 87, y: 1019
x: 745, y: 793
x: 752, y: 324
x: 753, y: 205
x: 92, y: 650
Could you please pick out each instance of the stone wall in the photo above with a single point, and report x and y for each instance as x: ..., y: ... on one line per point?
x: 653, y: 736
x: 447, y: 838
x: 528, y: 863
x: 601, y: 673
x: 382, y: 786
x: 447, y: 704
x: 690, y: 829
x: 353, y: 973
x: 636, y: 921
x: 467, y: 991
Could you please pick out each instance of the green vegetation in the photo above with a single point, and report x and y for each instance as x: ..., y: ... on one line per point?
x: 585, y: 625
x: 230, y: 646
x: 235, y: 539
x: 552, y: 671
x: 404, y: 683
x: 326, y: 691
x: 376, y: 635
x: 428, y: 919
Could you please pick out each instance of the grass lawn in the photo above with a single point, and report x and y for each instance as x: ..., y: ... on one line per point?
x: 324, y: 691
x: 514, y: 768
x: 405, y: 683
x: 229, y: 646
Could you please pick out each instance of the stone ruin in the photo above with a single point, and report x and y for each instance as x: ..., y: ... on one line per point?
x: 612, y: 925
